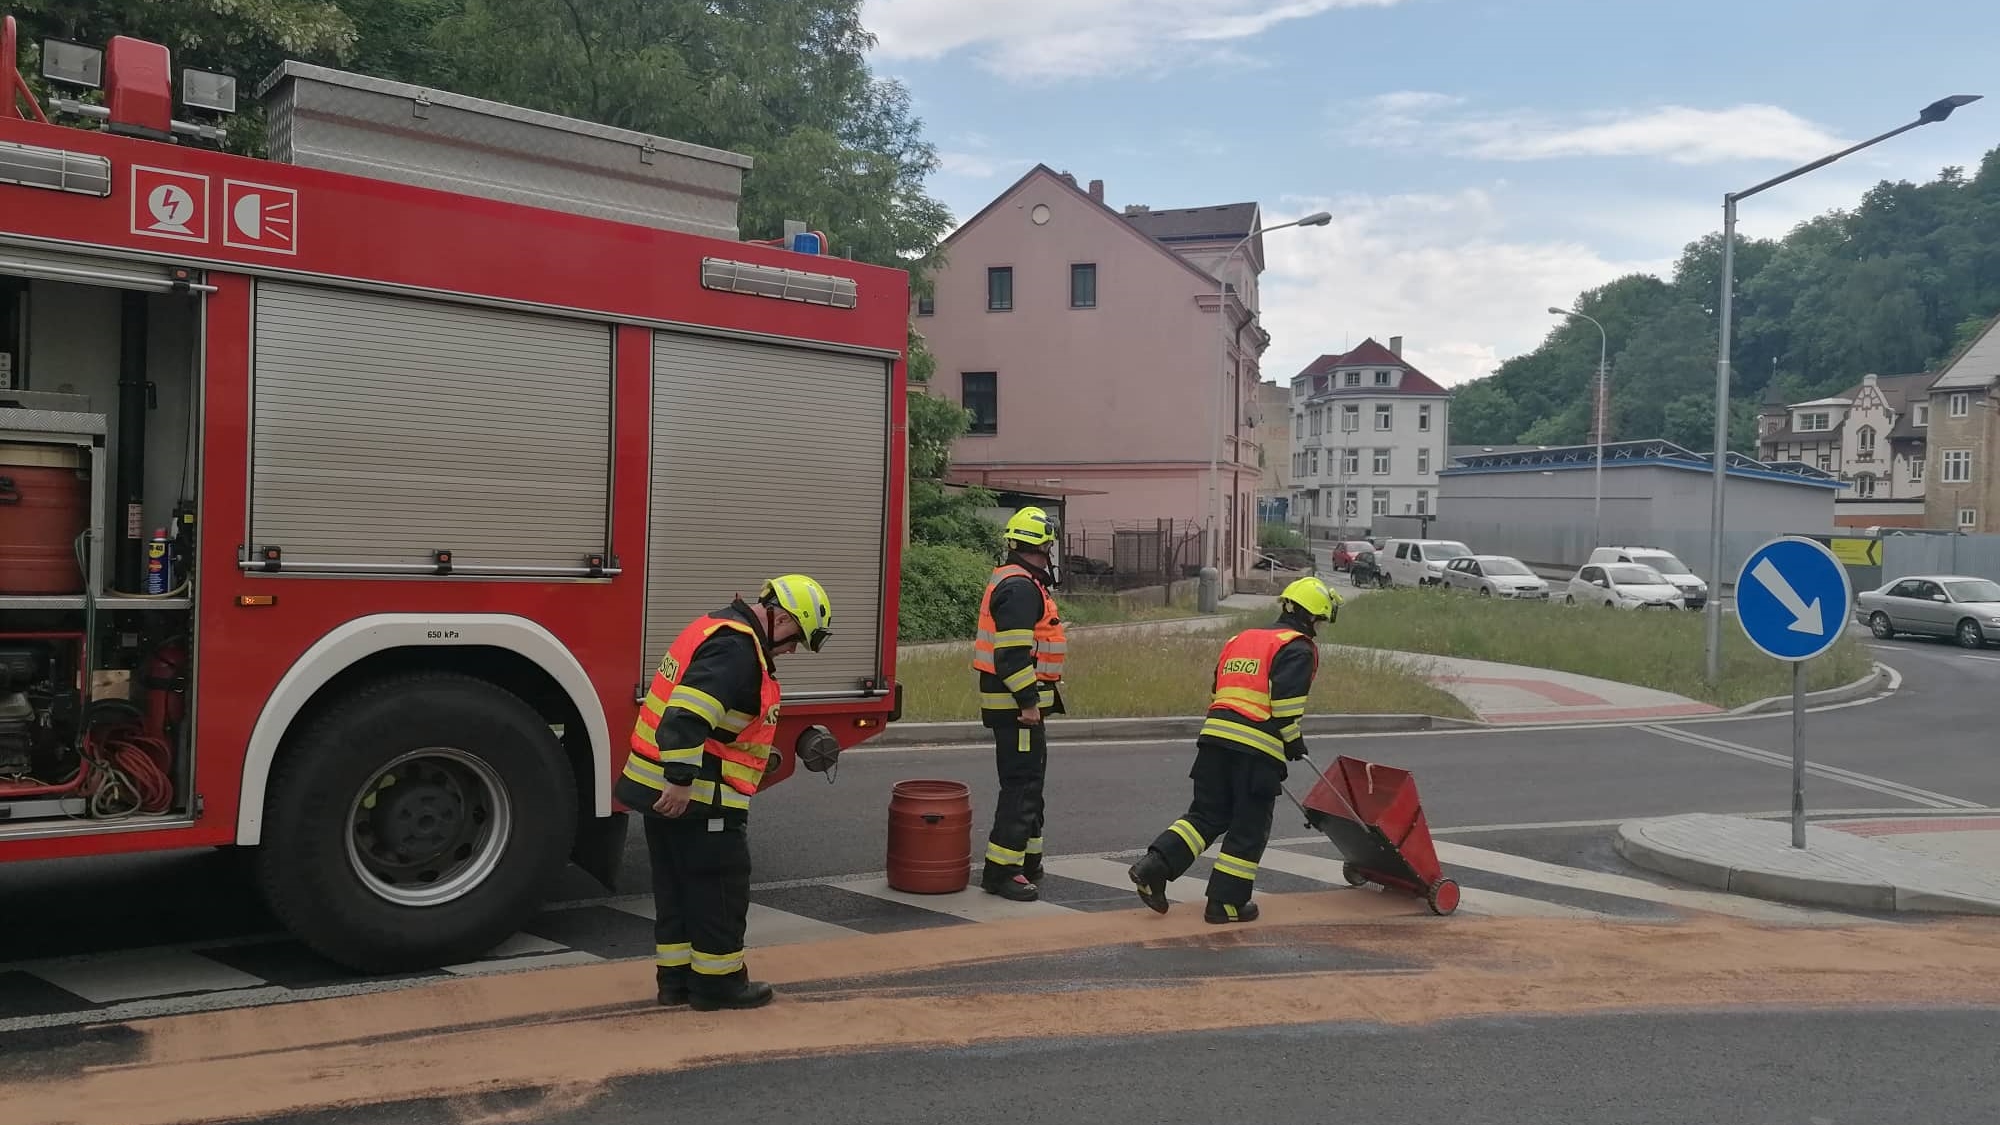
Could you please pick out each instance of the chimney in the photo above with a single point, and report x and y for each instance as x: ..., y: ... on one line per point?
x: 1136, y: 208
x: 1067, y: 178
x: 1097, y: 190
x: 1396, y: 346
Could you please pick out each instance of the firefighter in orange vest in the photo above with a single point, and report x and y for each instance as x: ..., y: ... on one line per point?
x: 1019, y: 656
x: 1262, y: 678
x: 699, y: 750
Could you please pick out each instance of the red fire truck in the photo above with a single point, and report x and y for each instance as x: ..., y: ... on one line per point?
x: 348, y: 497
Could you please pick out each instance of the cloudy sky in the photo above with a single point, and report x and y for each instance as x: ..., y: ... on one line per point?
x: 1483, y: 159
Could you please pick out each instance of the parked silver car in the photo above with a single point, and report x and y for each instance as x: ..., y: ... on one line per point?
x: 1489, y: 575
x: 1937, y: 605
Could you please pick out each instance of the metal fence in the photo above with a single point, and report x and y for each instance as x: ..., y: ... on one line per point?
x: 1949, y: 553
x: 1125, y: 555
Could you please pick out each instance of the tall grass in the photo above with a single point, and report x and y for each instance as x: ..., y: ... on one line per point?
x: 1652, y: 648
x: 1121, y: 676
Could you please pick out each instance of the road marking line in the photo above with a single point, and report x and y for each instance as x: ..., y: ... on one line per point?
x: 1826, y: 772
x: 971, y: 904
x: 1110, y: 873
x: 1471, y: 900
x: 770, y: 926
x: 144, y: 974
x: 1624, y: 886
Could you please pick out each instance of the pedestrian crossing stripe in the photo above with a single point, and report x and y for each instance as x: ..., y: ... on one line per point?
x: 140, y: 983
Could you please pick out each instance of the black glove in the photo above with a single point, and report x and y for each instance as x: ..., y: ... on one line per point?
x: 1295, y: 751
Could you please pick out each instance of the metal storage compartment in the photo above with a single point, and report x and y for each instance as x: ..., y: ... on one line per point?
x: 351, y: 123
x: 769, y: 459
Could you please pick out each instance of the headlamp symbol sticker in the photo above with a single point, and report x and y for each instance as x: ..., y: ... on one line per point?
x: 260, y: 217
x: 167, y: 204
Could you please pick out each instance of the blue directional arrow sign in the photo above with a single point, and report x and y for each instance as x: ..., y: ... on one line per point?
x: 1792, y: 598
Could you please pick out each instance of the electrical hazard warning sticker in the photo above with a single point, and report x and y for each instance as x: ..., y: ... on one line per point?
x: 260, y: 217
x: 167, y: 204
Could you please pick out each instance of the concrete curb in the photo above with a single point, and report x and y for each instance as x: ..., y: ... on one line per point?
x: 1881, y: 678
x: 1854, y: 894
x: 1165, y: 727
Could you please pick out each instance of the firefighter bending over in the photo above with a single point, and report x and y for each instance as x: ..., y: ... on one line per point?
x: 699, y: 750
x: 1262, y: 678
x: 1019, y: 655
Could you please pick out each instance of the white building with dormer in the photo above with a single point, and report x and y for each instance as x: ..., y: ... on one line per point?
x: 1369, y: 437
x: 1872, y: 435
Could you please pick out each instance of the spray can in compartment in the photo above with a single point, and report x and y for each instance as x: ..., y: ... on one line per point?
x: 159, y: 562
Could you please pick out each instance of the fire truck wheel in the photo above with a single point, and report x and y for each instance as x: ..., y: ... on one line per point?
x: 417, y: 822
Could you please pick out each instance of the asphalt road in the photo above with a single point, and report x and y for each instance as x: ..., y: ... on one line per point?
x: 1798, y: 1068
x: 1935, y: 734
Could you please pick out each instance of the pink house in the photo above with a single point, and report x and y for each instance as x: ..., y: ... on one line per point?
x: 1087, y: 346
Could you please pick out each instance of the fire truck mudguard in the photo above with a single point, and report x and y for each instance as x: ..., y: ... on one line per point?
x: 363, y: 637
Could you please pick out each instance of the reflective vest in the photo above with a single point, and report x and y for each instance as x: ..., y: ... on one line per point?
x: 742, y: 759
x: 1243, y: 692
x: 1048, y: 637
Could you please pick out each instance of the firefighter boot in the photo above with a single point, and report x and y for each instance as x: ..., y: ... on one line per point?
x: 734, y: 992
x: 673, y: 984
x: 1015, y: 887
x: 1149, y: 875
x: 1222, y: 913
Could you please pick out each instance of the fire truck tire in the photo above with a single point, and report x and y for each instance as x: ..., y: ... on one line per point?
x: 417, y: 822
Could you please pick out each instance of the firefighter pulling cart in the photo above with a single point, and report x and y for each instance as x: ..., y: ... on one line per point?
x: 348, y: 497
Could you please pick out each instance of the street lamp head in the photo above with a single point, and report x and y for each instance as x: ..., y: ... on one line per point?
x: 1941, y: 108
x: 1558, y: 312
x: 1322, y: 218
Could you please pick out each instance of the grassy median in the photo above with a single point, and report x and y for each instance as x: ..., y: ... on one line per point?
x: 1120, y: 676
x: 1651, y: 648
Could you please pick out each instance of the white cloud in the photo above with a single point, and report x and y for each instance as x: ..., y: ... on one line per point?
x: 1041, y: 40
x: 1438, y: 270
x: 1414, y: 119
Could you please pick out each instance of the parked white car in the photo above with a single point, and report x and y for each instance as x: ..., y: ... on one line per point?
x: 1494, y: 576
x: 1419, y: 562
x: 1694, y: 592
x: 1624, y: 586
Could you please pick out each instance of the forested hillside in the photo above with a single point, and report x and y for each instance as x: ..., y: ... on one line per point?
x: 1891, y: 286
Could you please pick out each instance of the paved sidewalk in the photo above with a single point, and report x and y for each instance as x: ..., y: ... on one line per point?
x: 1931, y: 864
x: 1509, y: 694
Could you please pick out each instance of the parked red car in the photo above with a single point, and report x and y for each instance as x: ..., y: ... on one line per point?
x: 1344, y: 552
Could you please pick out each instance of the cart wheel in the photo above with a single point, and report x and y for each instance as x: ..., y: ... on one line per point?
x: 1443, y: 896
x: 1353, y: 875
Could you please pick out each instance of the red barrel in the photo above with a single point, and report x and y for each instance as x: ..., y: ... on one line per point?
x: 44, y: 506
x: 930, y: 837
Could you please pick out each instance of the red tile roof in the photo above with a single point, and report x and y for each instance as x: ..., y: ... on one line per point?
x: 1372, y: 354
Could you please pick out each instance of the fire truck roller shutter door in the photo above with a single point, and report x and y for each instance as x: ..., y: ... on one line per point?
x: 389, y: 427
x: 769, y: 459
x: 363, y: 637
x: 417, y: 817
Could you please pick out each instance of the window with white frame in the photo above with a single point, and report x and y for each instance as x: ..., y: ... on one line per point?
x: 1423, y: 460
x: 1353, y: 379
x: 1423, y: 501
x: 1385, y: 416
x: 1916, y: 470
x: 1825, y: 459
x: 1864, y: 443
x: 1316, y: 423
x: 1350, y: 418
x: 1381, y: 462
x: 1957, y: 466
x: 1920, y: 414
x: 1382, y: 378
x: 1968, y: 517
x: 1353, y: 505
x: 1960, y: 405
x: 1814, y: 422
x: 1351, y: 462
x: 1379, y: 506
x: 1864, y: 486
x: 1424, y: 418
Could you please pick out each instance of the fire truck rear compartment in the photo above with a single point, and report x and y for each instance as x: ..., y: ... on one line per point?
x: 98, y: 407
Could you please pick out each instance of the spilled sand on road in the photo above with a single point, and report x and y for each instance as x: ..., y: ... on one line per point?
x: 569, y: 1030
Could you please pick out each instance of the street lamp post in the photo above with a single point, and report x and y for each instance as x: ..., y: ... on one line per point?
x: 1597, y: 473
x: 1211, y: 575
x: 1719, y: 457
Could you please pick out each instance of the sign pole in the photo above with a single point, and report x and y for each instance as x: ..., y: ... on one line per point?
x: 1799, y: 754
x: 1793, y: 601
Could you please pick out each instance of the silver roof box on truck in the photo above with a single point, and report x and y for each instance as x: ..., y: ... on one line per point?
x: 342, y: 122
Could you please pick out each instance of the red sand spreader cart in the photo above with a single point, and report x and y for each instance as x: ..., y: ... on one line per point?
x: 1371, y: 813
